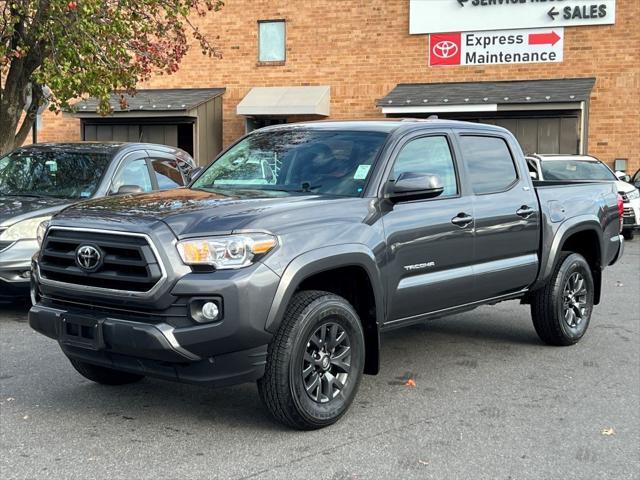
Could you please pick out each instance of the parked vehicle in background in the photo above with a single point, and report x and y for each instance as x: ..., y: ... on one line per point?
x: 285, y: 259
x: 585, y: 167
x: 635, y: 179
x: 40, y: 180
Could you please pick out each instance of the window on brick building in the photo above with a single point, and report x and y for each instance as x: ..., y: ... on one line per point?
x: 271, y: 41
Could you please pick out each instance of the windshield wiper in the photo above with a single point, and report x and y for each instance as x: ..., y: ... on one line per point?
x: 30, y: 195
x: 304, y: 188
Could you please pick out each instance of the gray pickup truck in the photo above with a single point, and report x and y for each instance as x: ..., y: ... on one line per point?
x: 288, y: 256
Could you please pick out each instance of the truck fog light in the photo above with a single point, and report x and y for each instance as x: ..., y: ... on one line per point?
x: 210, y: 311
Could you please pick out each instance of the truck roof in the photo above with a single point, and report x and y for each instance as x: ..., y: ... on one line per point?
x: 383, y: 125
x: 104, y: 147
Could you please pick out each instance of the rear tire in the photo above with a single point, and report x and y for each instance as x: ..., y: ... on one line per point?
x: 103, y: 375
x: 315, y: 361
x: 561, y: 310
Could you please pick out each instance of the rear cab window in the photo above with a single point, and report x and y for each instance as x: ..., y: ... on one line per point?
x: 489, y: 163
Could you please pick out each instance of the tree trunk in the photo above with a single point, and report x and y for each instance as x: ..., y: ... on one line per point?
x: 12, y: 102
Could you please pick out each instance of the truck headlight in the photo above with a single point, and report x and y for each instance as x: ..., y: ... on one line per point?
x: 24, y: 230
x: 632, y: 195
x: 230, y: 252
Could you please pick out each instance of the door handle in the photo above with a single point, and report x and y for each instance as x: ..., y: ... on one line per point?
x: 525, y: 211
x: 462, y: 220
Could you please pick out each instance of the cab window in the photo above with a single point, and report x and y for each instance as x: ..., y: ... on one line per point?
x: 133, y: 172
x: 429, y: 155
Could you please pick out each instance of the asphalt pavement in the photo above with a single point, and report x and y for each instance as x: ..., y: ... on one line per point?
x: 490, y: 402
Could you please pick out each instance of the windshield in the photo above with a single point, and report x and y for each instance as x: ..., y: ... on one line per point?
x: 52, y: 173
x: 304, y: 161
x: 576, y: 170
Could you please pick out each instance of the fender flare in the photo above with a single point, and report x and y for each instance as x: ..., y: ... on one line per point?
x: 318, y: 261
x: 571, y: 226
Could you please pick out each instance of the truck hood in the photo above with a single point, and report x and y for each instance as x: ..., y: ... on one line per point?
x: 196, y: 212
x: 14, y: 209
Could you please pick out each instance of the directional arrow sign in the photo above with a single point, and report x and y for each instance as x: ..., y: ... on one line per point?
x: 434, y: 16
x: 550, y: 38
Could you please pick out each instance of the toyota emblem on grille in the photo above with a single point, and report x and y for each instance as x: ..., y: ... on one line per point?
x: 445, y: 49
x: 88, y: 258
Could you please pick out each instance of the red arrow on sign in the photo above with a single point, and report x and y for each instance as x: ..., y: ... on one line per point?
x: 544, y: 38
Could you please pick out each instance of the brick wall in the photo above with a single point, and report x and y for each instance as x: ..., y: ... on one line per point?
x: 362, y: 49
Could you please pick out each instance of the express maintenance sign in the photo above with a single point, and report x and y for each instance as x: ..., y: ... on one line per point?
x: 496, y: 47
x: 435, y: 16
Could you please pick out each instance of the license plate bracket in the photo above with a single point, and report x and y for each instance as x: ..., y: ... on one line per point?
x: 82, y: 331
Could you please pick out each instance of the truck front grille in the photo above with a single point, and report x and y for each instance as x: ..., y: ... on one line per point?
x: 127, y: 261
x: 628, y: 212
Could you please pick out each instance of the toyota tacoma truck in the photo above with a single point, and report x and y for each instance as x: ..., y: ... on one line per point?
x: 286, y: 258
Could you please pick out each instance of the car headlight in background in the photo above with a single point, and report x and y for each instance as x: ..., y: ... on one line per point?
x: 230, y: 252
x: 24, y: 230
x: 41, y: 231
x: 633, y: 194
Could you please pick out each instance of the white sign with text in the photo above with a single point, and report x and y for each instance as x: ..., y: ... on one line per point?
x: 437, y: 16
x: 540, y: 45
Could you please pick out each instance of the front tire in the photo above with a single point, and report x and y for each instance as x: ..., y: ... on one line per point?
x: 103, y: 375
x: 561, y: 310
x: 628, y: 234
x: 315, y: 362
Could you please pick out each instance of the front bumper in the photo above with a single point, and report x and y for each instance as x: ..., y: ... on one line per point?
x: 631, y: 216
x: 143, y: 348
x: 15, y: 267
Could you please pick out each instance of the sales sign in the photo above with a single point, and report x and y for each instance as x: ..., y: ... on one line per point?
x: 436, y: 16
x: 496, y: 47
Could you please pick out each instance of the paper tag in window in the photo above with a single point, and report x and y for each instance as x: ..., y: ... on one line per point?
x: 361, y: 172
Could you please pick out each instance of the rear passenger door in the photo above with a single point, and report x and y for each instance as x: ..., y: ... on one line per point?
x: 506, y: 215
x: 430, y: 251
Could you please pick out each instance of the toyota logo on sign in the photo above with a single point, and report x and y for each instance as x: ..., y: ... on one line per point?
x: 445, y: 49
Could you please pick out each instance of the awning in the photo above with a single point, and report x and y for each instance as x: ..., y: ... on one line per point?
x: 275, y: 101
x: 151, y: 102
x: 485, y: 96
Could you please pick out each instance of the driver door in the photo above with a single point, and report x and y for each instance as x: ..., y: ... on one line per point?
x: 430, y: 252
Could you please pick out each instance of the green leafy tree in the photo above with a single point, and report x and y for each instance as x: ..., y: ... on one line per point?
x: 87, y: 47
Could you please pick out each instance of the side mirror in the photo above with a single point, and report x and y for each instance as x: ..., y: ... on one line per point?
x: 129, y: 189
x: 414, y: 186
x: 533, y: 175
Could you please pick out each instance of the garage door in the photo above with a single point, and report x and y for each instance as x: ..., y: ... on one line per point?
x: 162, y: 134
x: 543, y: 134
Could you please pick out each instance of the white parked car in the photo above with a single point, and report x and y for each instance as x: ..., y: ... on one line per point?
x: 585, y: 167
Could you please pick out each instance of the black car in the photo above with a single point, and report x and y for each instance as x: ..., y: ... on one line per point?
x: 40, y: 180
